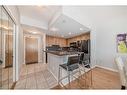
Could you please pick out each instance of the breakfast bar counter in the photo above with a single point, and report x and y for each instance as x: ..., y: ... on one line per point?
x: 55, y: 58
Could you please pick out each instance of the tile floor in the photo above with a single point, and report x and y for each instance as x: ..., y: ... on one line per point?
x: 35, y: 76
x: 7, y: 78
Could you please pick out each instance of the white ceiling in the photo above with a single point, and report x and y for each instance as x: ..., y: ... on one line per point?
x: 67, y: 27
x: 40, y: 13
x: 62, y: 26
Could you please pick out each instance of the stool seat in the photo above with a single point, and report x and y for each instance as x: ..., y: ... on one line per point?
x: 86, y: 63
x: 70, y: 67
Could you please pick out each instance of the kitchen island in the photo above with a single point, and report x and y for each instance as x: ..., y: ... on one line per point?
x: 55, y: 58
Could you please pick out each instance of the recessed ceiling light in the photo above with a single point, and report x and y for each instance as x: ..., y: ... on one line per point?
x: 41, y: 6
x: 54, y: 29
x: 81, y: 29
x: 34, y: 32
x: 38, y: 5
x: 2, y: 26
x: 69, y: 33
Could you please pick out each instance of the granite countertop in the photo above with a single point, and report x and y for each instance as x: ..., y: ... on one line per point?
x: 63, y: 53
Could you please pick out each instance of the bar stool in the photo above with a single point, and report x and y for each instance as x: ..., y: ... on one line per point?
x: 85, y: 65
x: 71, y: 65
x: 86, y: 61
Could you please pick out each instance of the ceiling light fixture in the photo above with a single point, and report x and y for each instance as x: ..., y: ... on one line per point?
x: 81, y: 29
x: 69, y: 33
x: 54, y: 29
x: 34, y: 32
x: 2, y: 26
x: 39, y: 5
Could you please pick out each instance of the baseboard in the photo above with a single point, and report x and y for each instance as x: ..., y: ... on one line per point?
x: 106, y: 68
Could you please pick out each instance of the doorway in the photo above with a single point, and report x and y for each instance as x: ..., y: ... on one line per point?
x: 31, y: 50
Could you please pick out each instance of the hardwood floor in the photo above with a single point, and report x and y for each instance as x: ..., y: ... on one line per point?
x: 7, y: 77
x: 105, y: 79
x: 101, y: 79
x: 36, y: 76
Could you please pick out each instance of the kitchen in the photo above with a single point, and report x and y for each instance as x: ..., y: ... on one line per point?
x: 61, y: 44
x: 64, y: 42
x: 69, y: 44
x: 52, y: 44
x: 59, y: 49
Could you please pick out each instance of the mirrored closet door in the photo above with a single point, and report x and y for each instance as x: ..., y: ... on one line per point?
x: 6, y: 49
x: 0, y: 51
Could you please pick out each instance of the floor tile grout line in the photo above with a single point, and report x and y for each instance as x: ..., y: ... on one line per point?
x: 35, y: 76
x: 45, y: 79
x: 26, y: 76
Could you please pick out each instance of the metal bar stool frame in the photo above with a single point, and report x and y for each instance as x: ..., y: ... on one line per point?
x: 85, y: 63
x: 69, y: 72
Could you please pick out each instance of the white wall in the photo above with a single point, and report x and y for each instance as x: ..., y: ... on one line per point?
x: 105, y: 23
x: 106, y: 37
x: 14, y: 12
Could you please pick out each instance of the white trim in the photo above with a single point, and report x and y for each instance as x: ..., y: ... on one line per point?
x: 4, y: 50
x: 14, y: 53
x: 106, y: 68
x: 44, y: 48
x: 24, y: 48
x: 38, y: 48
x: 10, y: 14
x: 14, y: 41
x: 16, y: 70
